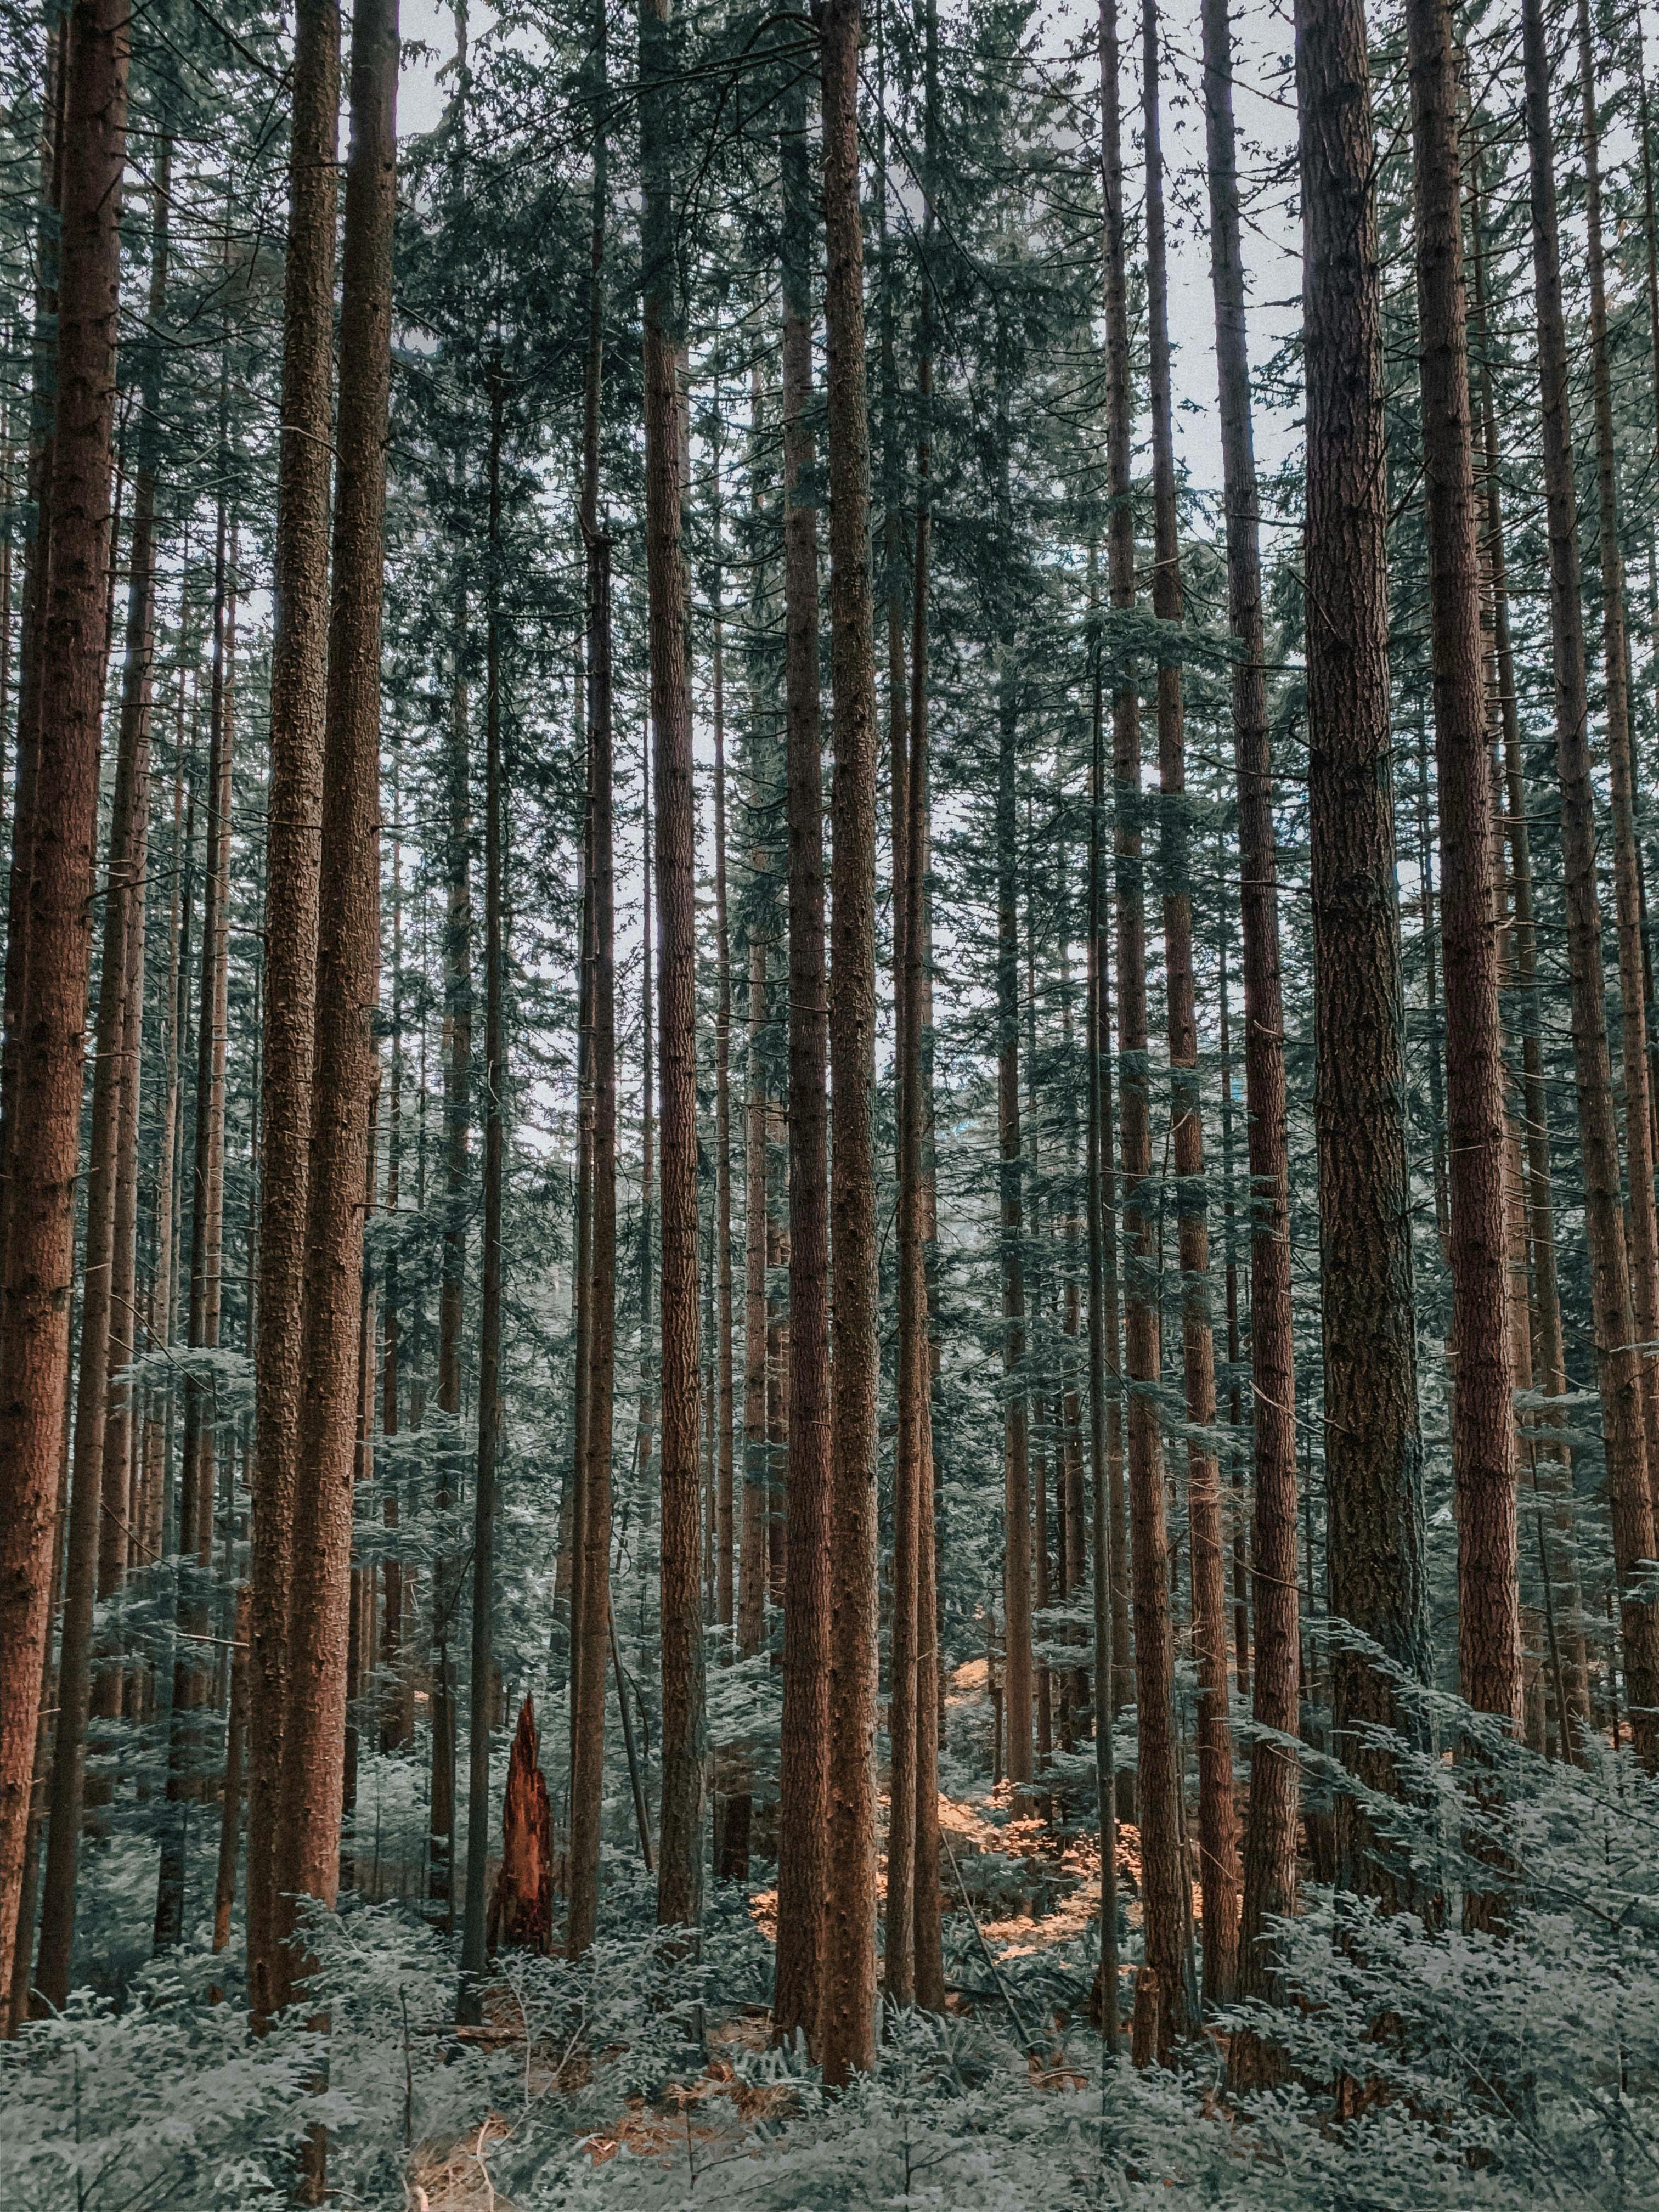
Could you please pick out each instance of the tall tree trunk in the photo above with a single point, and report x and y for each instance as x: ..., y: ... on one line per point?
x: 299, y: 657
x: 117, y: 1531
x: 725, y: 1380
x: 1643, y: 1232
x: 1550, y: 1352
x: 679, y: 1882
x: 452, y: 1288
x: 589, y: 1633
x: 1217, y: 1840
x: 44, y: 1141
x: 1373, y: 1445
x: 1483, y: 1428
x: 1016, y: 1464
x: 482, y: 1685
x: 803, y: 1784
x: 1618, y: 1361
x: 347, y: 987
x: 1159, y: 1778
x: 230, y: 1818
x: 97, y: 1510
x: 194, y: 1652
x: 926, y: 1930
x: 1106, y: 1540
x: 848, y: 2014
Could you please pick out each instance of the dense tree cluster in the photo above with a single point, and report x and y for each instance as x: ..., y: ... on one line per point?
x: 829, y: 1090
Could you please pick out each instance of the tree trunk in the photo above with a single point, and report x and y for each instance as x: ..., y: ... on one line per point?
x: 848, y: 2014
x: 803, y: 1787
x: 1164, y: 1875
x: 1015, y: 1465
x: 1618, y: 1361
x: 1218, y: 1839
x: 347, y: 987
x: 230, y: 1818
x: 194, y: 1653
x: 98, y: 1511
x: 1373, y: 1446
x: 591, y: 1630
x: 725, y: 1380
x: 1550, y: 1351
x: 298, y: 656
x: 1483, y: 1427
x: 1643, y: 1229
x: 44, y: 1139
x: 679, y: 1882
x: 482, y: 1685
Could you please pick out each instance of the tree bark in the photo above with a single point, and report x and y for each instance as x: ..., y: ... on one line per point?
x: 298, y: 656
x: 1373, y: 1446
x: 1618, y: 1362
x: 481, y: 1684
x: 803, y: 1786
x: 98, y: 1509
x: 1643, y: 1229
x: 679, y: 1882
x: 848, y: 2013
x: 347, y: 987
x: 44, y: 1141
x: 1217, y: 1840
x: 590, y: 1631
x: 1483, y: 1427
x: 1164, y: 1891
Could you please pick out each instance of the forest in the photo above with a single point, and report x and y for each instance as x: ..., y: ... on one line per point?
x: 828, y: 1105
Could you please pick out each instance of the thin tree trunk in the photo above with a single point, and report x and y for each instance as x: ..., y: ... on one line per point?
x: 230, y: 1820
x: 1218, y: 1872
x: 1618, y: 1361
x: 848, y: 2014
x: 1643, y: 1229
x: 725, y: 1380
x: 590, y: 1632
x: 1545, y: 1302
x: 481, y: 1686
x: 347, y: 987
x: 97, y: 1514
x: 42, y: 1152
x: 679, y: 1882
x: 299, y: 653
x: 1483, y: 1427
x: 1016, y: 1466
x: 1164, y: 1889
x: 1373, y: 1445
x: 803, y: 1787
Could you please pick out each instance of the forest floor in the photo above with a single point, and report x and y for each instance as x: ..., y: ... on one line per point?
x: 1038, y: 1889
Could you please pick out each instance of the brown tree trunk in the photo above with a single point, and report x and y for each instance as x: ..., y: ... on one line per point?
x: 725, y: 1380
x: 679, y: 1882
x: 1373, y: 1446
x: 299, y: 654
x: 1106, y: 1540
x: 850, y: 1978
x: 347, y: 987
x: 98, y: 1509
x: 521, y: 1908
x: 194, y: 1652
x: 803, y: 1787
x: 1483, y: 1428
x: 1618, y: 1361
x: 1164, y: 1876
x: 926, y: 1928
x: 481, y: 1690
x: 590, y: 1629
x: 1643, y: 1230
x: 43, y: 1146
x: 1218, y: 1839
x: 1550, y: 1351
x: 230, y: 1816
x: 1016, y: 1462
